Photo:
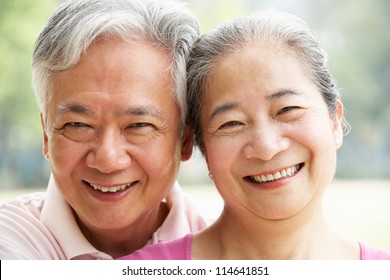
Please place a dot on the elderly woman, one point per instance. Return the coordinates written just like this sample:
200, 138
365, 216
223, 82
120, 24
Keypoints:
268, 119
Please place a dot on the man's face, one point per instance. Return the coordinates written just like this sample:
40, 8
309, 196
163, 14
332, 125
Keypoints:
112, 134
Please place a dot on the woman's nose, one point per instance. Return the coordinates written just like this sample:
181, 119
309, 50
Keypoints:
265, 142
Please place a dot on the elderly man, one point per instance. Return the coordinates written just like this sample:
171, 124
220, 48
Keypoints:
109, 77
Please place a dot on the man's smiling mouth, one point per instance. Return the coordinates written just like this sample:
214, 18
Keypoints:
284, 173
111, 189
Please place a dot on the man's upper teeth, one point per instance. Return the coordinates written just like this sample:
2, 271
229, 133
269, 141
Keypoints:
277, 175
110, 189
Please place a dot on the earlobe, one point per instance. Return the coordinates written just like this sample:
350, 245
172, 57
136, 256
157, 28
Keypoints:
187, 143
45, 138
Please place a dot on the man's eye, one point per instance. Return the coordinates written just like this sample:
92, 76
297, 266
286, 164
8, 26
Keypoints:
76, 124
139, 125
77, 131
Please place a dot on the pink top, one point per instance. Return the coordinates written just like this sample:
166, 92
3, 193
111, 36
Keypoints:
180, 249
42, 226
367, 253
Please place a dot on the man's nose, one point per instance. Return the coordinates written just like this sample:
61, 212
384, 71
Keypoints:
109, 153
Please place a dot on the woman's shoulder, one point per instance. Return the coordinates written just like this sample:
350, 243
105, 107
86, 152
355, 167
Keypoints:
367, 253
178, 249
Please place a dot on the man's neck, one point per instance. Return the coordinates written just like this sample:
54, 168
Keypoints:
120, 242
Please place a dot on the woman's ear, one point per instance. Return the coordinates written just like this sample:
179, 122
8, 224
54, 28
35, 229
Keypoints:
337, 125
187, 143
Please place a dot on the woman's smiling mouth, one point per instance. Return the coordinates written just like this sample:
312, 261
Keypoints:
284, 173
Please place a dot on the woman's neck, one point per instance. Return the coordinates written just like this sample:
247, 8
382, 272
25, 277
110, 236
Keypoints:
304, 236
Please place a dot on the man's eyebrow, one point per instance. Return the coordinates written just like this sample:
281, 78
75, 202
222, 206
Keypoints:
72, 107
222, 108
144, 111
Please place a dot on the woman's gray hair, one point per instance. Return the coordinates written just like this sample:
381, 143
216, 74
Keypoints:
76, 24
274, 28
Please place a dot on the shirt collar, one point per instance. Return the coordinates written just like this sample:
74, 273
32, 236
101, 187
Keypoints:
58, 217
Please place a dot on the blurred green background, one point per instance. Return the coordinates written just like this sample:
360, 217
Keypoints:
355, 34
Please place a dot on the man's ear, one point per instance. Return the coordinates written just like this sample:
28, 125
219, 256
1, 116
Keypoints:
45, 138
187, 143
337, 125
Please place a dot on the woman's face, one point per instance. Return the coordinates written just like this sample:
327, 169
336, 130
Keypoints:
270, 142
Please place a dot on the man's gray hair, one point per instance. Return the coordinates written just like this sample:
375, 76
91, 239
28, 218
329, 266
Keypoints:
76, 24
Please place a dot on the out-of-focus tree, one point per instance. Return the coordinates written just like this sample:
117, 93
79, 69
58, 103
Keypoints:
357, 38
21, 160
354, 32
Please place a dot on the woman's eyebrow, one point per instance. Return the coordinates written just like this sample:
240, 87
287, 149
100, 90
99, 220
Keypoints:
282, 93
222, 108
232, 105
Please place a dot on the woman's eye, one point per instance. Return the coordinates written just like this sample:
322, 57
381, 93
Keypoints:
290, 113
288, 109
230, 124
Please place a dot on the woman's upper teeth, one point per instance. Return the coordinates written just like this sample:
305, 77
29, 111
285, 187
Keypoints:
277, 175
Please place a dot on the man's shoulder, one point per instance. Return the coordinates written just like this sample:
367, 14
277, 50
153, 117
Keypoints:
183, 214
23, 235
28, 204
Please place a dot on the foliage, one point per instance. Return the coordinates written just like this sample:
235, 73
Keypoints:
354, 32
20, 137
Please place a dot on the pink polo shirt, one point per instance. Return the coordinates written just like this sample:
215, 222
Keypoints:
42, 226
